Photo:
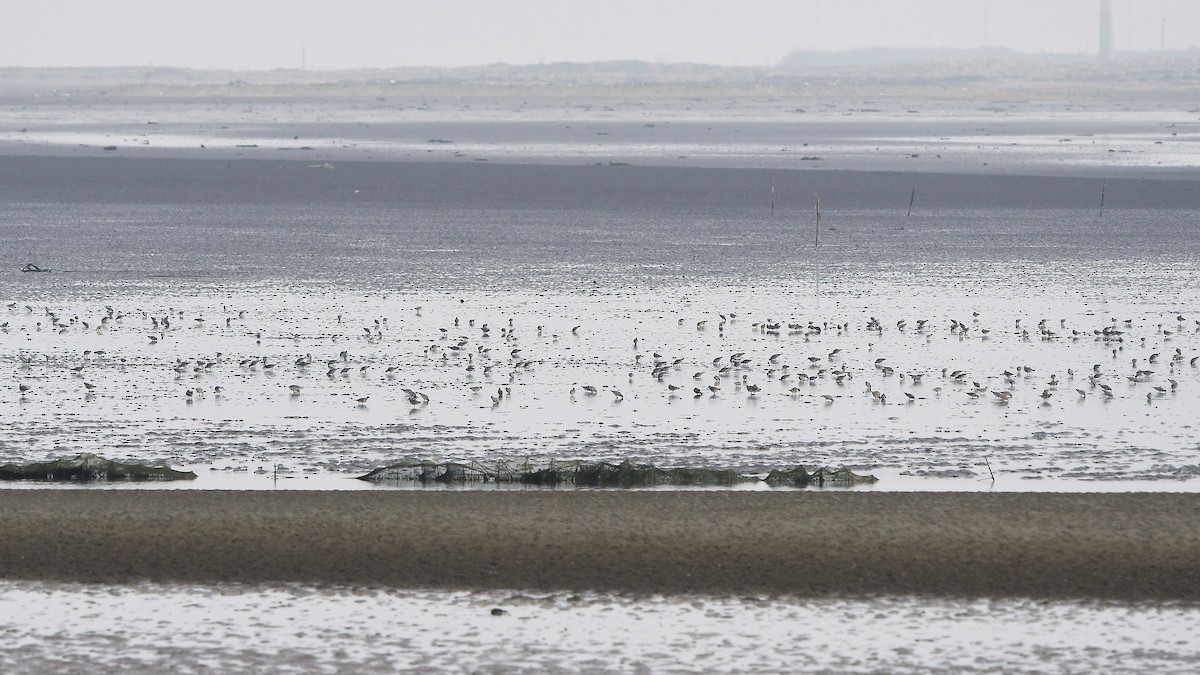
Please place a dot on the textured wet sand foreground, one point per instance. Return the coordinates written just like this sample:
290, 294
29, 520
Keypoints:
1131, 546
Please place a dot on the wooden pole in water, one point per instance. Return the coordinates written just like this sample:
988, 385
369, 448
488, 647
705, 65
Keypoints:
817, 223
911, 197
1103, 188
772, 198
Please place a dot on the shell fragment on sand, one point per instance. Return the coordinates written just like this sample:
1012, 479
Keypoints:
86, 467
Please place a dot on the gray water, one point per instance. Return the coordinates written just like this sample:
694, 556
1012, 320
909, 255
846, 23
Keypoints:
379, 298
570, 231
301, 628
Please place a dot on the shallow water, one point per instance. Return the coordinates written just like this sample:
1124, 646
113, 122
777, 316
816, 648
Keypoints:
361, 280
300, 628
386, 298
789, 131
399, 266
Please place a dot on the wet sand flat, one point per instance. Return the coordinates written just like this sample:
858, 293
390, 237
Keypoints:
1121, 546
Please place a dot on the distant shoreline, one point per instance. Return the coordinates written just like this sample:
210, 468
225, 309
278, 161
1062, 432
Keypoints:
1110, 546
913, 74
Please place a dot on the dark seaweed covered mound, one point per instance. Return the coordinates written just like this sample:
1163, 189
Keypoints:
601, 474
88, 467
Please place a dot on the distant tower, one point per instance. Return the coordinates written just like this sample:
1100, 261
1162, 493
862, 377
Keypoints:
1106, 30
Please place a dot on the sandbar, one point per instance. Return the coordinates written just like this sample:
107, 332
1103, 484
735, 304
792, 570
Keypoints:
1132, 546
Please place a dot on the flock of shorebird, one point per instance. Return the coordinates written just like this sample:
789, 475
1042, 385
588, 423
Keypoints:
480, 356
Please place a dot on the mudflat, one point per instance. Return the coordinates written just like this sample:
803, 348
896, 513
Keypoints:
805, 543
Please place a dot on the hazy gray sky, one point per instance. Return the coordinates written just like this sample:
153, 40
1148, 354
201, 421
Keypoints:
267, 34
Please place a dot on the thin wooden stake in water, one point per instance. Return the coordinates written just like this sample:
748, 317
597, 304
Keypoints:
910, 202
1103, 188
989, 466
772, 198
817, 223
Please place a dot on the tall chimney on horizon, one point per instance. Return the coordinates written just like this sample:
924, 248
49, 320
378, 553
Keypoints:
1106, 30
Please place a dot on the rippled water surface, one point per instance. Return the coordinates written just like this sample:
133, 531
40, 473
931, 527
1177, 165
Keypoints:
246, 312
233, 292
299, 628
286, 339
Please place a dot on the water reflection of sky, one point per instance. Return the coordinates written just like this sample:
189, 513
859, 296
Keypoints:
255, 279
768, 133
301, 628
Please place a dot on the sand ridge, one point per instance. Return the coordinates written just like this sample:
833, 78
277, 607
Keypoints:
1126, 546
